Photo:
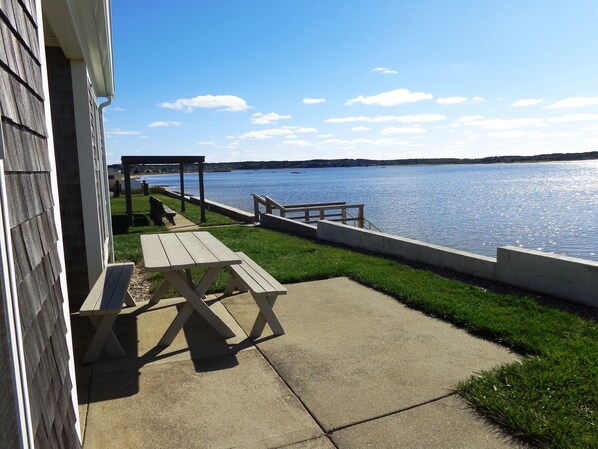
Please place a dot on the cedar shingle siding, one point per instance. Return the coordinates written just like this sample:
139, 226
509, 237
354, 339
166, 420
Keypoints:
9, 430
33, 229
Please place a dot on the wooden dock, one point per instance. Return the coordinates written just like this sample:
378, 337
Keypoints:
311, 213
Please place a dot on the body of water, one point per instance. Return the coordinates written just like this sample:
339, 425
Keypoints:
551, 206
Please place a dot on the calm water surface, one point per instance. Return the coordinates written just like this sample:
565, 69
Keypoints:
549, 206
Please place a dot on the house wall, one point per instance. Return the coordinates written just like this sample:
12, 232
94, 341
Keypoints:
94, 210
33, 232
67, 167
9, 416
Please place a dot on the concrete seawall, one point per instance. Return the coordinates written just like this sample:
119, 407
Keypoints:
223, 209
282, 224
415, 250
564, 277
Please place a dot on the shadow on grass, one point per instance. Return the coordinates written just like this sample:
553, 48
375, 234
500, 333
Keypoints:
121, 225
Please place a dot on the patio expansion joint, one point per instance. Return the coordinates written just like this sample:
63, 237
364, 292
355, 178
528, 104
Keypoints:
394, 412
83, 425
282, 379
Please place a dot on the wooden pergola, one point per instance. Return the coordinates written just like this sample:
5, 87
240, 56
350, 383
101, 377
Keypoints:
127, 161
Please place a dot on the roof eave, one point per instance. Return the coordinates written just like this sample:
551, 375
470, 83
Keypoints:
84, 31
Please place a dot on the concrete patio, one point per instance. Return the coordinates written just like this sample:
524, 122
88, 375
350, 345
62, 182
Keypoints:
355, 369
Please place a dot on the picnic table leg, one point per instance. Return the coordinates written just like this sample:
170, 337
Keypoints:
129, 300
235, 283
103, 337
266, 314
157, 296
194, 302
176, 325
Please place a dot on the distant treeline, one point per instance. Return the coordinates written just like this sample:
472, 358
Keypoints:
324, 163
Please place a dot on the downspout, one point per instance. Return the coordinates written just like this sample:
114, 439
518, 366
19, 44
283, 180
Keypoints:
107, 182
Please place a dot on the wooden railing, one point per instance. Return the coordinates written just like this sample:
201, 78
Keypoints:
311, 213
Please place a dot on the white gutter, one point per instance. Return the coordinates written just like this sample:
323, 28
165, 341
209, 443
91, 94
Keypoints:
107, 182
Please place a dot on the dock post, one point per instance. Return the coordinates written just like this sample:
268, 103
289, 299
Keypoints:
256, 207
202, 195
128, 200
360, 217
182, 188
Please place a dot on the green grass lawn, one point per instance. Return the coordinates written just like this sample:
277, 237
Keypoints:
550, 398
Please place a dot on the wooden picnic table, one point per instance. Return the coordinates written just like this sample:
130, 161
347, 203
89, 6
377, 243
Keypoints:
174, 255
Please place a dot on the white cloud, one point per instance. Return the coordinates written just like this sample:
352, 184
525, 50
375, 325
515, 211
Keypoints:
574, 102
297, 143
469, 118
266, 119
557, 135
505, 123
266, 134
451, 100
531, 134
362, 118
305, 130
574, 118
163, 124
527, 102
230, 103
590, 128
325, 136
360, 128
384, 71
121, 132
403, 130
391, 98
206, 142
445, 101
421, 118
353, 142
509, 134
314, 100
417, 118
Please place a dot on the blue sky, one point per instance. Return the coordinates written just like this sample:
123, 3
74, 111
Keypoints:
291, 80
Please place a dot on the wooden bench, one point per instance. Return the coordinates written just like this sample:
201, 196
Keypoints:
158, 210
249, 276
103, 304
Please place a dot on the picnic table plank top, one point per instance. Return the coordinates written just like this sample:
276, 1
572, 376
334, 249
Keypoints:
185, 250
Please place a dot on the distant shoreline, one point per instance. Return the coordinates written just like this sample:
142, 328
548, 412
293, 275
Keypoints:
340, 163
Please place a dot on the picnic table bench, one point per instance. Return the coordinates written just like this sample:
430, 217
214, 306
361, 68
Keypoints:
158, 210
249, 276
102, 306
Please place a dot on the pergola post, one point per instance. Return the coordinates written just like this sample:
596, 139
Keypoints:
128, 201
182, 187
127, 161
202, 203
